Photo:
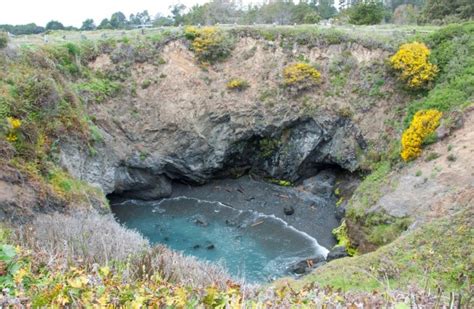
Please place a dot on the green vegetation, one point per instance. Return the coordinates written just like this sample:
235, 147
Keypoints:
435, 255
343, 239
366, 13
3, 39
97, 90
281, 182
452, 50
268, 146
210, 44
369, 191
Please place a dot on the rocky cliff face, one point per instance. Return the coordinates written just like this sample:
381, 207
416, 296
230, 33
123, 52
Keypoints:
177, 120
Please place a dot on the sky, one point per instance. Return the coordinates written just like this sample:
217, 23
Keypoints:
73, 13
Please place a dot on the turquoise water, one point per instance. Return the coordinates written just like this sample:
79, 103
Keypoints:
252, 246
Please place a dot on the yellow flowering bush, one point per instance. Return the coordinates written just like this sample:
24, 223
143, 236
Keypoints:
237, 84
208, 43
412, 61
423, 124
14, 125
300, 76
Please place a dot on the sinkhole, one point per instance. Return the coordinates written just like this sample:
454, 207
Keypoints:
256, 230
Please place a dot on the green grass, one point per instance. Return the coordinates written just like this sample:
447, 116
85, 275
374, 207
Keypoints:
369, 191
438, 254
98, 89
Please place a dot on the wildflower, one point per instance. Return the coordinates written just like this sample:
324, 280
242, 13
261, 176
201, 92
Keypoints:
14, 123
11, 137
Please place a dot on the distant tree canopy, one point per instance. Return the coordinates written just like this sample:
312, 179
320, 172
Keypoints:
88, 24
22, 29
232, 11
118, 20
54, 25
366, 13
140, 18
440, 9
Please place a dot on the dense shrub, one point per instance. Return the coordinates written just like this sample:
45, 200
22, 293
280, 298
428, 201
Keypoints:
210, 44
299, 76
237, 84
366, 13
3, 39
424, 123
412, 61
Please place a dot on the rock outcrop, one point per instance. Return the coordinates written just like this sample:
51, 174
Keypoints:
186, 126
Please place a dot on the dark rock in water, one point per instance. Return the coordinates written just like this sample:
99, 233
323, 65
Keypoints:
200, 220
195, 247
166, 239
289, 210
337, 253
211, 247
230, 222
305, 266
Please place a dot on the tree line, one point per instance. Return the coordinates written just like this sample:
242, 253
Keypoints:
277, 12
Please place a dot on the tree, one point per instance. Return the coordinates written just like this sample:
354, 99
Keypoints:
54, 25
325, 8
278, 11
118, 20
198, 14
405, 14
439, 9
88, 24
366, 13
23, 29
177, 13
105, 24
304, 13
140, 18
161, 20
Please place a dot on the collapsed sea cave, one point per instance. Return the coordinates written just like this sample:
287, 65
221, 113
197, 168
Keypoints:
268, 212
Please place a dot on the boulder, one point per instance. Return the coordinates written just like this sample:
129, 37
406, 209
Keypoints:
288, 210
200, 220
322, 184
337, 253
307, 265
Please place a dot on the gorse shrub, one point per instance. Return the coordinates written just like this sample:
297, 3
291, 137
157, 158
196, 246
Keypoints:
210, 44
412, 61
237, 84
299, 76
424, 123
